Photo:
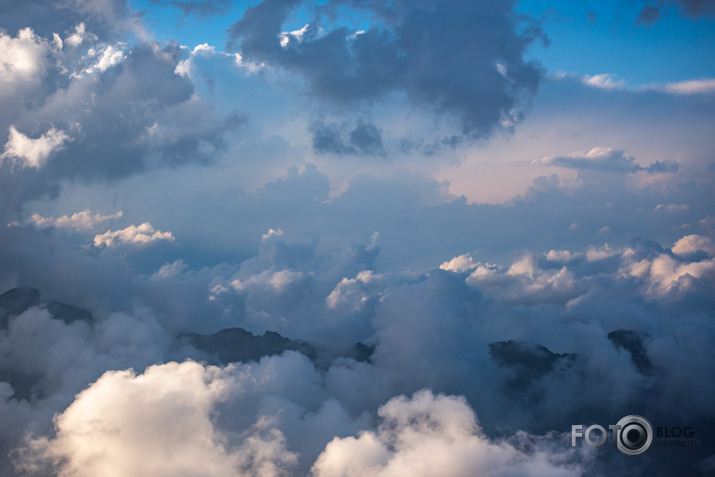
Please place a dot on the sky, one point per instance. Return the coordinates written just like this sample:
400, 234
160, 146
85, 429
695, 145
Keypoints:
474, 224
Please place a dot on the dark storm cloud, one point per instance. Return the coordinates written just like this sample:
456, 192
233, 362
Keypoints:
462, 60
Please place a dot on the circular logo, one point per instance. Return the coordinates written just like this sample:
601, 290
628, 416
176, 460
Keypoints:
635, 435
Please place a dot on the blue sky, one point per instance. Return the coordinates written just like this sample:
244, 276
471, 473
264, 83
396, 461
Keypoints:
474, 224
603, 37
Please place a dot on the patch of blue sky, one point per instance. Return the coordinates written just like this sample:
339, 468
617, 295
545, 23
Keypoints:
590, 38
167, 23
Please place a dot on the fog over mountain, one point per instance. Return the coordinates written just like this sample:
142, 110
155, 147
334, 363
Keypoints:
352, 238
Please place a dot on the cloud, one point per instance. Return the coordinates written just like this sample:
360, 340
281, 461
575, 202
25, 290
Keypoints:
82, 106
610, 81
200, 8
605, 81
649, 14
170, 270
143, 234
663, 274
605, 159
158, 423
671, 207
694, 243
702, 86
536, 324
429, 435
364, 139
23, 60
460, 264
688, 8
82, 221
103, 18
107, 57
434, 54
30, 152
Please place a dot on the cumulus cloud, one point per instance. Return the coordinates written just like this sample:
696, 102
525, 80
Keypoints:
143, 234
29, 152
81, 106
82, 221
459, 264
23, 60
158, 423
694, 243
105, 58
429, 435
664, 273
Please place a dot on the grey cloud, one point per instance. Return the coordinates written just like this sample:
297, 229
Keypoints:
649, 14
116, 136
134, 116
201, 8
472, 70
104, 18
662, 166
606, 160
364, 139
689, 8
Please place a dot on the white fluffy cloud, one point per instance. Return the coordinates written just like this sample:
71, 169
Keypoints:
159, 423
23, 59
30, 152
459, 264
143, 234
83, 220
694, 243
429, 435
664, 273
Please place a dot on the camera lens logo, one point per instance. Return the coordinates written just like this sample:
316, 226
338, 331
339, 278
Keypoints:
634, 435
